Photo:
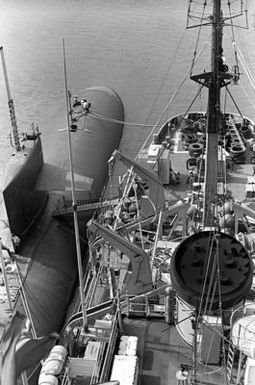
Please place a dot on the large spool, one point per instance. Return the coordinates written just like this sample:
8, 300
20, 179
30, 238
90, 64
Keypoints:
197, 255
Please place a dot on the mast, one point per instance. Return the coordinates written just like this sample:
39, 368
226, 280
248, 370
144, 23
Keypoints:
214, 80
213, 117
11, 105
74, 204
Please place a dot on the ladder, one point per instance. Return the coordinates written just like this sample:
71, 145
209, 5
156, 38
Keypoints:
241, 368
230, 361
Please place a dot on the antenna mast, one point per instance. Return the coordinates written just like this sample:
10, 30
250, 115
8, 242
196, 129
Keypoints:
214, 80
74, 204
213, 117
11, 105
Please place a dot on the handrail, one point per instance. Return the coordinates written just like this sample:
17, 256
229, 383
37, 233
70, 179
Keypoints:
96, 369
110, 350
65, 379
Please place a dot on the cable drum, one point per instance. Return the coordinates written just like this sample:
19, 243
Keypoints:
195, 149
188, 129
190, 138
200, 125
194, 270
236, 150
235, 141
246, 131
188, 122
191, 163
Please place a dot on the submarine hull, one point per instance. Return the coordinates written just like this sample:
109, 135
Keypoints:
98, 134
23, 204
50, 243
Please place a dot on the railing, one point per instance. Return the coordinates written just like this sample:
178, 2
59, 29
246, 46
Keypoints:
101, 370
230, 361
109, 352
65, 379
96, 371
242, 311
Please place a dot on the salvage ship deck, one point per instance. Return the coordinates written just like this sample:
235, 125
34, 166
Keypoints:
152, 315
169, 290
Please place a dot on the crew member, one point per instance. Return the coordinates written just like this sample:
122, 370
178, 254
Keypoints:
11, 253
76, 102
190, 178
85, 105
182, 376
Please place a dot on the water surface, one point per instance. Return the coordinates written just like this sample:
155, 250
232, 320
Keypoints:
138, 48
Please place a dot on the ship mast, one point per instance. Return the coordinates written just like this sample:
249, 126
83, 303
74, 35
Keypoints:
214, 80
74, 204
213, 118
11, 105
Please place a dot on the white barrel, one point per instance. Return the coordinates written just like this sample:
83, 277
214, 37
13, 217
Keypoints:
47, 379
54, 363
59, 351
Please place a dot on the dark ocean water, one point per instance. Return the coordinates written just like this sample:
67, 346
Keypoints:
139, 48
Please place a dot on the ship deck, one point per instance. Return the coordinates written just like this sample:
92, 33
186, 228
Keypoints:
236, 181
161, 352
237, 178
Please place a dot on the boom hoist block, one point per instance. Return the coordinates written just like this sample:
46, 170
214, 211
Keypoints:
155, 187
140, 280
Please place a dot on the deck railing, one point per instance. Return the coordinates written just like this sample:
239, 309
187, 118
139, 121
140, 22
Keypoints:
105, 372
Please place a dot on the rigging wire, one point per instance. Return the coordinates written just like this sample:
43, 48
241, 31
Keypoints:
194, 99
220, 306
223, 170
197, 41
203, 306
167, 73
233, 100
170, 101
96, 115
200, 181
205, 279
246, 94
212, 282
233, 36
245, 67
161, 85
24, 299
186, 112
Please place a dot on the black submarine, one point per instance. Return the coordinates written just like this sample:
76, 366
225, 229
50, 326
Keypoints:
37, 182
